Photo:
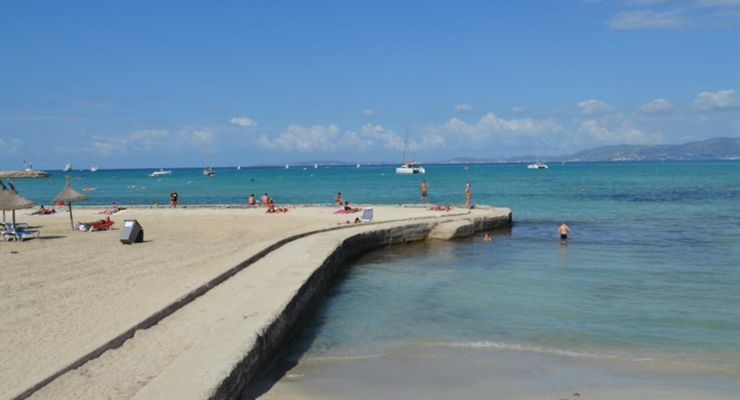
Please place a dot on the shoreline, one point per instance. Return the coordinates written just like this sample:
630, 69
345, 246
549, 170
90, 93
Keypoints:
66, 306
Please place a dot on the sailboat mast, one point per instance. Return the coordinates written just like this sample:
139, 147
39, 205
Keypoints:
405, 144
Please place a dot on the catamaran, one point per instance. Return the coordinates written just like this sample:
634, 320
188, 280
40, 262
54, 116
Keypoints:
537, 165
409, 167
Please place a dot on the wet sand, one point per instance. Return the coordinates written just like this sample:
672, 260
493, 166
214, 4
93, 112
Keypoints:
437, 373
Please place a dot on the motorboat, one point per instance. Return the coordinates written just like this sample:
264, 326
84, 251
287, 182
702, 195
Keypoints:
537, 165
410, 167
161, 172
209, 171
94, 168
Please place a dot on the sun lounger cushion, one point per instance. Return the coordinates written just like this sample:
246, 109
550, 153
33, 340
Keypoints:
367, 215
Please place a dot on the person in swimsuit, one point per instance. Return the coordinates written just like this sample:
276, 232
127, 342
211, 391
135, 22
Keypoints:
251, 201
467, 196
423, 189
173, 198
563, 231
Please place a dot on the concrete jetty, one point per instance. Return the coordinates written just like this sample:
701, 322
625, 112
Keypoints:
198, 310
28, 173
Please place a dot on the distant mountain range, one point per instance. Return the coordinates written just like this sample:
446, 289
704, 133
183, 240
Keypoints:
711, 149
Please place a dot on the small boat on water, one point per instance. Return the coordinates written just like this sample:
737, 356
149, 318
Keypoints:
67, 167
537, 165
410, 167
161, 172
94, 168
209, 171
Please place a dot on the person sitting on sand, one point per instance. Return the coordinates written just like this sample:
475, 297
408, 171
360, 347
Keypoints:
251, 201
44, 211
339, 201
440, 208
264, 200
111, 210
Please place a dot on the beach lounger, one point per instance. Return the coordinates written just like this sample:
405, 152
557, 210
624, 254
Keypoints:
102, 226
20, 235
367, 215
10, 226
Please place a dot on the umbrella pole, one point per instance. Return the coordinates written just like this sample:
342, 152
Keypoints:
14, 220
71, 221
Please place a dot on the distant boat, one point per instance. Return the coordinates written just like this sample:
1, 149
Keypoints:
161, 172
238, 167
287, 166
94, 168
209, 171
67, 167
358, 165
409, 167
537, 165
316, 165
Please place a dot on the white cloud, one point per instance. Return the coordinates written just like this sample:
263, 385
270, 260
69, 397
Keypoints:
646, 19
11, 146
369, 112
243, 121
463, 108
201, 138
149, 138
677, 14
313, 138
656, 106
388, 138
517, 110
594, 107
721, 100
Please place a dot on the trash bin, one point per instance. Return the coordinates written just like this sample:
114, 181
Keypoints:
132, 232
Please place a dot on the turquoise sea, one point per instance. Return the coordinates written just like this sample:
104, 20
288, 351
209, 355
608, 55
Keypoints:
651, 272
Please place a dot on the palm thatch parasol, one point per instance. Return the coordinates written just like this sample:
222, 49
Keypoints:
11, 200
68, 195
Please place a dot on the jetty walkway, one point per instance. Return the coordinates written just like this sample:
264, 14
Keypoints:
214, 339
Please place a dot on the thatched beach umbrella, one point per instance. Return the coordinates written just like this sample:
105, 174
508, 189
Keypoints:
11, 200
68, 195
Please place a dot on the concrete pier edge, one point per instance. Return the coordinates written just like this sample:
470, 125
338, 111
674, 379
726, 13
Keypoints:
270, 342
271, 339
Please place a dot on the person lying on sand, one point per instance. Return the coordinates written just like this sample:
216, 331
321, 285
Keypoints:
440, 208
111, 210
44, 211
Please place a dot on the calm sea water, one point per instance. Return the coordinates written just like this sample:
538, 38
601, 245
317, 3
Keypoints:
652, 271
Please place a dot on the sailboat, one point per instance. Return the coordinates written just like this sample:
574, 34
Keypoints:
409, 167
209, 170
537, 164
67, 167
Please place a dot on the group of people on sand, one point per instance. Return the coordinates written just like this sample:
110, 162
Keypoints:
266, 201
44, 211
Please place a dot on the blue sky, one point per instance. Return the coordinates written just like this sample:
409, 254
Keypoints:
165, 84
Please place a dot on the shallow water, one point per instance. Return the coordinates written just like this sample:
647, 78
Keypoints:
651, 273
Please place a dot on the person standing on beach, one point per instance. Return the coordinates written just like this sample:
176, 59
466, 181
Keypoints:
264, 200
173, 198
563, 231
423, 189
467, 196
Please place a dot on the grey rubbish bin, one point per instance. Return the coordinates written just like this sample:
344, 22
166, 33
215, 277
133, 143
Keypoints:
132, 232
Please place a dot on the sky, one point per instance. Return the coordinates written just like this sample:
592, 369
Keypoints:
165, 84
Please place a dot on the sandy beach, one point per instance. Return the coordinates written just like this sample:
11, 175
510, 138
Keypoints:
69, 294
